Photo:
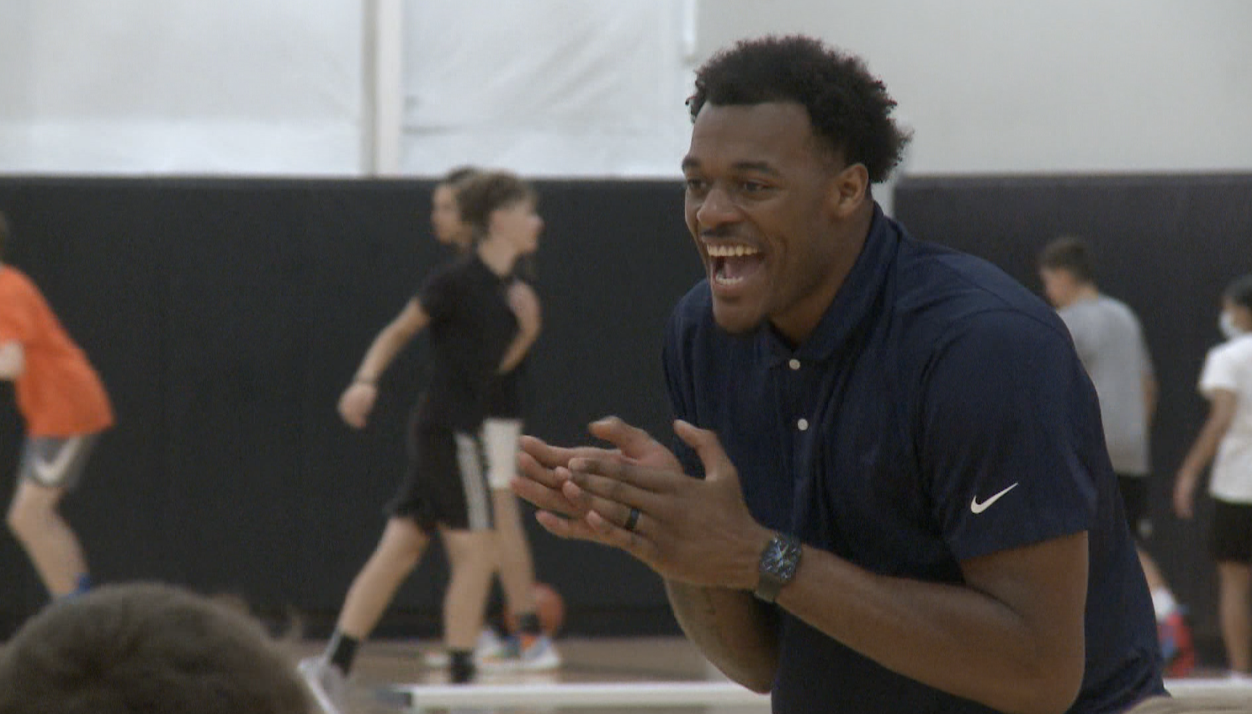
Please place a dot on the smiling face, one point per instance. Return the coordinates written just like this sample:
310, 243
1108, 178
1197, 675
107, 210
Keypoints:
776, 220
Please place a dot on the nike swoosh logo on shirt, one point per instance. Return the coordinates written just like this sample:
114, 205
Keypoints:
977, 507
51, 471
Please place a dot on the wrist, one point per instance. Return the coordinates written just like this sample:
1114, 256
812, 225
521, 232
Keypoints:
748, 571
779, 563
366, 381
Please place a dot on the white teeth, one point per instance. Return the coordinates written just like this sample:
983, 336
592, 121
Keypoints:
730, 251
723, 280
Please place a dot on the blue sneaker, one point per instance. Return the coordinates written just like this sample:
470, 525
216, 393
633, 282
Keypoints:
1177, 649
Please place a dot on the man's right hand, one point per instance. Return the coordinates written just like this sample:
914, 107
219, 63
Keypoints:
357, 402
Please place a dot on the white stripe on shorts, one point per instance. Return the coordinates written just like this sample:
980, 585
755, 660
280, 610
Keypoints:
500, 438
469, 457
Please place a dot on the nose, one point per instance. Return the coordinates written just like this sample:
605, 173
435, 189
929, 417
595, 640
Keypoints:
716, 210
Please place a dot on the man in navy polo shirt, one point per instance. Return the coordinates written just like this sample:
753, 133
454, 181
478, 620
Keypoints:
906, 502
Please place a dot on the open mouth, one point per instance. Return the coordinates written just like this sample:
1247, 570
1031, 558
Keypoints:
733, 265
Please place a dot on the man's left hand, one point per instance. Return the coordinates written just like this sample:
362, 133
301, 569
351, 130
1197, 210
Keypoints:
688, 530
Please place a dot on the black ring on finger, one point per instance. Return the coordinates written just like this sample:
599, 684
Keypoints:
632, 520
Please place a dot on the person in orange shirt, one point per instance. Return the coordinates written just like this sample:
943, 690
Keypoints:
65, 408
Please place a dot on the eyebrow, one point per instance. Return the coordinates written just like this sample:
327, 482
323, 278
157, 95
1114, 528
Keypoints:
760, 166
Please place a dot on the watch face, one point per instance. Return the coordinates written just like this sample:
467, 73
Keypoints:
781, 558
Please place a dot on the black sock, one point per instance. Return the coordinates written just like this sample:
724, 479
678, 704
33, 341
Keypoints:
528, 624
461, 668
342, 651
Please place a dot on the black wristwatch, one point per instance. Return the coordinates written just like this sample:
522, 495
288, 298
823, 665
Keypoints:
778, 566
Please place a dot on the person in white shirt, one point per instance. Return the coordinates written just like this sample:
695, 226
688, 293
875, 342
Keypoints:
1226, 440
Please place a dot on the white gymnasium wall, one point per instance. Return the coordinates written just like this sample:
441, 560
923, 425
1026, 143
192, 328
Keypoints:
595, 87
181, 86
1040, 85
546, 87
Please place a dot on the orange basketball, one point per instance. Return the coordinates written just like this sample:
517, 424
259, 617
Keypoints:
549, 606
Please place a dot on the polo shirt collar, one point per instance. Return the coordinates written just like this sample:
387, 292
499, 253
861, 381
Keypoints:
852, 306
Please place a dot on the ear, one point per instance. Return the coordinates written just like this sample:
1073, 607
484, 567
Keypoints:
849, 189
1243, 315
493, 219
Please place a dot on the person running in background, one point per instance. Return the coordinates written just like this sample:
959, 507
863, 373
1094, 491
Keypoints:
1110, 343
481, 324
1226, 440
526, 648
65, 408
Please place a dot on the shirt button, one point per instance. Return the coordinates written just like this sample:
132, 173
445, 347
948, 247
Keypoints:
794, 364
803, 425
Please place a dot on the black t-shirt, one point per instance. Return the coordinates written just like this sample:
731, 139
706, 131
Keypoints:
471, 326
504, 394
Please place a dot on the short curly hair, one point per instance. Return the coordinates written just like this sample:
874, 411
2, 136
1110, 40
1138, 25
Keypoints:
146, 647
848, 107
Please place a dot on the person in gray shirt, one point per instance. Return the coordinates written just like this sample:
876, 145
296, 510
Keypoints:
1110, 343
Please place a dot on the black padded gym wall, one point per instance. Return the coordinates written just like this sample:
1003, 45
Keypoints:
226, 316
1167, 246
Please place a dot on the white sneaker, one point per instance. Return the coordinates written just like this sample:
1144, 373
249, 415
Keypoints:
539, 656
326, 683
489, 646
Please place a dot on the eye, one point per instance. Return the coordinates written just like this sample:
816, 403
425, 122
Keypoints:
752, 186
696, 185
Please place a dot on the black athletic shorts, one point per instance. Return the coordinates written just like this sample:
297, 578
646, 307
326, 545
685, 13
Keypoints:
446, 481
1135, 500
1231, 537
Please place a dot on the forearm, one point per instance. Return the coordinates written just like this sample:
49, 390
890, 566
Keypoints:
380, 354
731, 628
1205, 446
518, 348
950, 637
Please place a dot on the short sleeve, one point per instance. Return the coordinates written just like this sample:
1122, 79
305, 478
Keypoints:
1220, 372
1079, 333
1010, 436
675, 360
438, 295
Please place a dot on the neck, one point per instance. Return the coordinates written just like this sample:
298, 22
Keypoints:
497, 255
801, 321
1086, 291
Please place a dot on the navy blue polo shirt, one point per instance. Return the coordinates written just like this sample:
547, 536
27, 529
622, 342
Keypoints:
933, 384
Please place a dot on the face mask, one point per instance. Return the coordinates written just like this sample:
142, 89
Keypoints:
1228, 326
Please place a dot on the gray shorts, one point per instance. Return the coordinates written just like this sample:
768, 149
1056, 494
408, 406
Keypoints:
55, 462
